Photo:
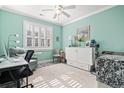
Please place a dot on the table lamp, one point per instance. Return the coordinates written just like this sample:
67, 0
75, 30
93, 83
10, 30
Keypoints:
10, 40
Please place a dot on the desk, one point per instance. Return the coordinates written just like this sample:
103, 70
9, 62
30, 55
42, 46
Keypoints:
8, 65
5, 65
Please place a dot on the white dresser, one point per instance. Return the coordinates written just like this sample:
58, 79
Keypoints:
79, 57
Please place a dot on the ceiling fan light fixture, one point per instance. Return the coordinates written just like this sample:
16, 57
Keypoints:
58, 9
41, 14
58, 12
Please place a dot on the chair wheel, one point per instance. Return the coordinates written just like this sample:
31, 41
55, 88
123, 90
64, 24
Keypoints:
32, 86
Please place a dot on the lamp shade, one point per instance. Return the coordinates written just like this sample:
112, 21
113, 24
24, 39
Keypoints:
14, 51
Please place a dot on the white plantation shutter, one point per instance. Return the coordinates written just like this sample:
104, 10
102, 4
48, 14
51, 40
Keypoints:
42, 36
48, 37
37, 36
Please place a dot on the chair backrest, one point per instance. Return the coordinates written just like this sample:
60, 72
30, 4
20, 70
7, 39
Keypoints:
56, 51
29, 55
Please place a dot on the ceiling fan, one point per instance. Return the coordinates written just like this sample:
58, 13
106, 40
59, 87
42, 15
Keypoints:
59, 9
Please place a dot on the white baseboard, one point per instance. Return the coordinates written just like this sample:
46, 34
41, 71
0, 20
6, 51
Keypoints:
45, 61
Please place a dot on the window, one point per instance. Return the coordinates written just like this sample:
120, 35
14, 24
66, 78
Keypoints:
37, 36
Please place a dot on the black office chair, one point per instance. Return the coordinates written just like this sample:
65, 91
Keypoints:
24, 72
17, 74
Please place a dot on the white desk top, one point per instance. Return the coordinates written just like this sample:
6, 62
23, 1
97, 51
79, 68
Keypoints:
9, 64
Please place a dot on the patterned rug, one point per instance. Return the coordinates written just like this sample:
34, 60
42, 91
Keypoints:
62, 76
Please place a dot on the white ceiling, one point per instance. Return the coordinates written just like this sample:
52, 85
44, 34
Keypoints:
35, 10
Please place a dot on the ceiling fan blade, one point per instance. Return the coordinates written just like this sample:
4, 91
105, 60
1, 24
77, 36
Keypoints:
66, 14
55, 15
41, 15
69, 7
47, 9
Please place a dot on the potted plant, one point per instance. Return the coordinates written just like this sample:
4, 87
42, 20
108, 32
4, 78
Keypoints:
81, 40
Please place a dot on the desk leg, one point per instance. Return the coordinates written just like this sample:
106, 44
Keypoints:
17, 81
53, 59
27, 81
59, 59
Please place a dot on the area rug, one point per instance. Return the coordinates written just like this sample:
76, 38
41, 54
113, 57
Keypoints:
62, 76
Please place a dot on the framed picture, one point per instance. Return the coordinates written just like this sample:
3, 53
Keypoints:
83, 33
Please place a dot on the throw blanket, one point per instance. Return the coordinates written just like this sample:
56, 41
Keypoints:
110, 70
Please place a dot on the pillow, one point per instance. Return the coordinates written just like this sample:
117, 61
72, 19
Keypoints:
107, 52
113, 53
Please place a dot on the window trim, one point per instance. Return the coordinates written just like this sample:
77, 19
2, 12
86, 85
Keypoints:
25, 23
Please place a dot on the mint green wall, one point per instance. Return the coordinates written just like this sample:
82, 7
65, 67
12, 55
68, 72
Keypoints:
107, 28
13, 23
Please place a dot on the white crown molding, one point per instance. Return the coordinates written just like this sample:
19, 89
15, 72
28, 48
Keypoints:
24, 14
93, 13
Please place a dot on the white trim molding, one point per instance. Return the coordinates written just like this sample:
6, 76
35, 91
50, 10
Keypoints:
93, 13
45, 61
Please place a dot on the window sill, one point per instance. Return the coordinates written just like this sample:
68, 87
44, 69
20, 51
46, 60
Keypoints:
39, 49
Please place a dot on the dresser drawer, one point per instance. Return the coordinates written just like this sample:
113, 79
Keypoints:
79, 65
